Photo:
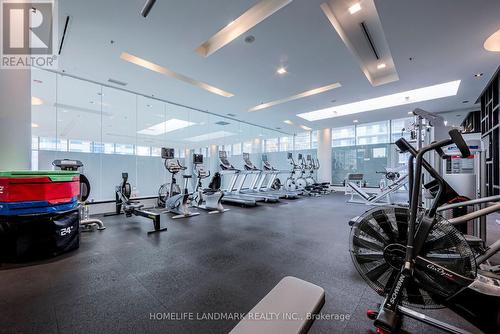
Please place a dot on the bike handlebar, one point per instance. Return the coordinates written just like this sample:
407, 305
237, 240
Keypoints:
458, 140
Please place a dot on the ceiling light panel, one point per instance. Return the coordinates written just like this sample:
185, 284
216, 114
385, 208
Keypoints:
249, 19
165, 71
387, 101
166, 126
308, 93
364, 37
36, 101
211, 136
493, 42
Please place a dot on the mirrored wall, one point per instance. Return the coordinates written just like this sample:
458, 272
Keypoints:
113, 131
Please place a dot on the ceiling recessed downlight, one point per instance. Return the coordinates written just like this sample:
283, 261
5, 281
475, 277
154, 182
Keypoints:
492, 43
166, 126
281, 70
289, 122
36, 101
303, 127
34, 125
296, 97
165, 71
355, 121
249, 19
381, 66
386, 101
478, 75
355, 8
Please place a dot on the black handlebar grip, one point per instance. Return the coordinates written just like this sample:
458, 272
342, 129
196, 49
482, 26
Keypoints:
457, 138
441, 153
402, 144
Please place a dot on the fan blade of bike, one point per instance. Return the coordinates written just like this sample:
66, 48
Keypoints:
384, 222
378, 271
402, 223
439, 243
366, 257
368, 229
361, 241
414, 294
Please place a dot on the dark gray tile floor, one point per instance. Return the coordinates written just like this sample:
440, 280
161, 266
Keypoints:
208, 263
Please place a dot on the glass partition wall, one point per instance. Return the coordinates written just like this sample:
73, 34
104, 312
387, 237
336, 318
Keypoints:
113, 131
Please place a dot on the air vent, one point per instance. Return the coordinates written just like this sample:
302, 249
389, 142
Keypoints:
117, 82
222, 123
63, 35
364, 28
231, 115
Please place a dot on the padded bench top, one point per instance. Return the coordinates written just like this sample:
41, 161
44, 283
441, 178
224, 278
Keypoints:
284, 309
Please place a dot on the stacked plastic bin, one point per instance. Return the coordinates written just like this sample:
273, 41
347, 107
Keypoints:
39, 214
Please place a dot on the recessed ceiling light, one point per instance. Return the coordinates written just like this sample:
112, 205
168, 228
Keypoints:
36, 101
165, 71
148, 105
386, 101
289, 122
305, 127
355, 121
281, 70
355, 8
211, 136
92, 102
410, 112
478, 75
445, 123
166, 126
381, 66
465, 101
100, 94
37, 81
297, 96
249, 19
34, 125
492, 43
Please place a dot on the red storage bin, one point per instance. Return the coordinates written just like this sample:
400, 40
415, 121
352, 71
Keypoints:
51, 186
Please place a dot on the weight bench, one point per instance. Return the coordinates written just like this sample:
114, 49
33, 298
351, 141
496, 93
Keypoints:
288, 308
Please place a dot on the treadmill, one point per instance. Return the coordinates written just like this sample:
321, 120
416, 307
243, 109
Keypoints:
231, 196
251, 169
273, 174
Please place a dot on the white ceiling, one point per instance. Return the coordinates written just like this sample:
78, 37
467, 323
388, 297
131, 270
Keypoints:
444, 38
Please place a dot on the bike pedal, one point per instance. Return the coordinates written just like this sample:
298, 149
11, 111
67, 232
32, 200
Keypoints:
372, 314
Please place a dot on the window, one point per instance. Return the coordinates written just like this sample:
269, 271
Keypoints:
344, 136
228, 148
271, 145
144, 151
80, 146
314, 139
124, 149
237, 149
372, 133
400, 128
303, 141
155, 151
247, 147
48, 144
286, 144
379, 152
34, 143
106, 148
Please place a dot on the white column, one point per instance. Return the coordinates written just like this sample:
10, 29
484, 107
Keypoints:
214, 158
257, 152
324, 153
15, 119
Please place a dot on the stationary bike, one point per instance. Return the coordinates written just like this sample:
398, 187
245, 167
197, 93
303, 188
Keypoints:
208, 198
172, 200
413, 256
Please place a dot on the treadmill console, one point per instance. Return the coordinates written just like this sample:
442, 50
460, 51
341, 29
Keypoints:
197, 159
308, 157
264, 157
289, 155
167, 153
299, 156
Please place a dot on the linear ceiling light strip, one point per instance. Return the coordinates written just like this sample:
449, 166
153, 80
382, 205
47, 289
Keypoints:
165, 71
249, 19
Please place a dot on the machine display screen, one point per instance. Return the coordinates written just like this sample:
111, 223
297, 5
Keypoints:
167, 153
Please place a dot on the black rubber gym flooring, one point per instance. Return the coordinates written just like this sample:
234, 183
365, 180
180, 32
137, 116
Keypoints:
121, 277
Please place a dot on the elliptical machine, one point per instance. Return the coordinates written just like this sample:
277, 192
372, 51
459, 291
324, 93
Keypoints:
294, 182
169, 196
208, 198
